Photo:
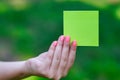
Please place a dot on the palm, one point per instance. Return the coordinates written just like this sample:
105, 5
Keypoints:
39, 65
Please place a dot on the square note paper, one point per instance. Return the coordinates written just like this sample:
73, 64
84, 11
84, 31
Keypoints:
82, 26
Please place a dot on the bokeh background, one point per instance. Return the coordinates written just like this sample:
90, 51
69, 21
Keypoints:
27, 28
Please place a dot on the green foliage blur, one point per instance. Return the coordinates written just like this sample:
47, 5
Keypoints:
27, 28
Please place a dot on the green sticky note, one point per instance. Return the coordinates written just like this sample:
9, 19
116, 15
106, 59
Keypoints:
82, 26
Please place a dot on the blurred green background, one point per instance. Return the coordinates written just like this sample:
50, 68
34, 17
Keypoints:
27, 28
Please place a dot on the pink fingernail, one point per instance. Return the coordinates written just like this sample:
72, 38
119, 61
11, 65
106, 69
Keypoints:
67, 39
62, 38
74, 43
55, 43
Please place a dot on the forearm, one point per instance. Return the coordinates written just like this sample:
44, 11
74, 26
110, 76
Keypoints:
12, 70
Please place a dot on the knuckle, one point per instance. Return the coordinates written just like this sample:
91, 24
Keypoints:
60, 43
62, 67
66, 44
57, 58
59, 49
65, 59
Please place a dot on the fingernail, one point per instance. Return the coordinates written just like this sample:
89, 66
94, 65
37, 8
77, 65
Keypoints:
55, 43
62, 38
74, 43
67, 39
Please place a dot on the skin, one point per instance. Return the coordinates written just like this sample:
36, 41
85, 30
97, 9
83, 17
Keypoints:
53, 64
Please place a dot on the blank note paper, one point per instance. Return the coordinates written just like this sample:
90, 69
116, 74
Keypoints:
82, 26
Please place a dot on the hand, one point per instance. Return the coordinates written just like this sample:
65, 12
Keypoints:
56, 62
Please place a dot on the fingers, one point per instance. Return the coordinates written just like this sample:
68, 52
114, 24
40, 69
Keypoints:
71, 58
64, 58
51, 52
57, 56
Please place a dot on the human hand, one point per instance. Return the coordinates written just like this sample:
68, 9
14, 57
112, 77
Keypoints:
56, 62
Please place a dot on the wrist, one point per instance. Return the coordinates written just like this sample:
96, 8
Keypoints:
24, 70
